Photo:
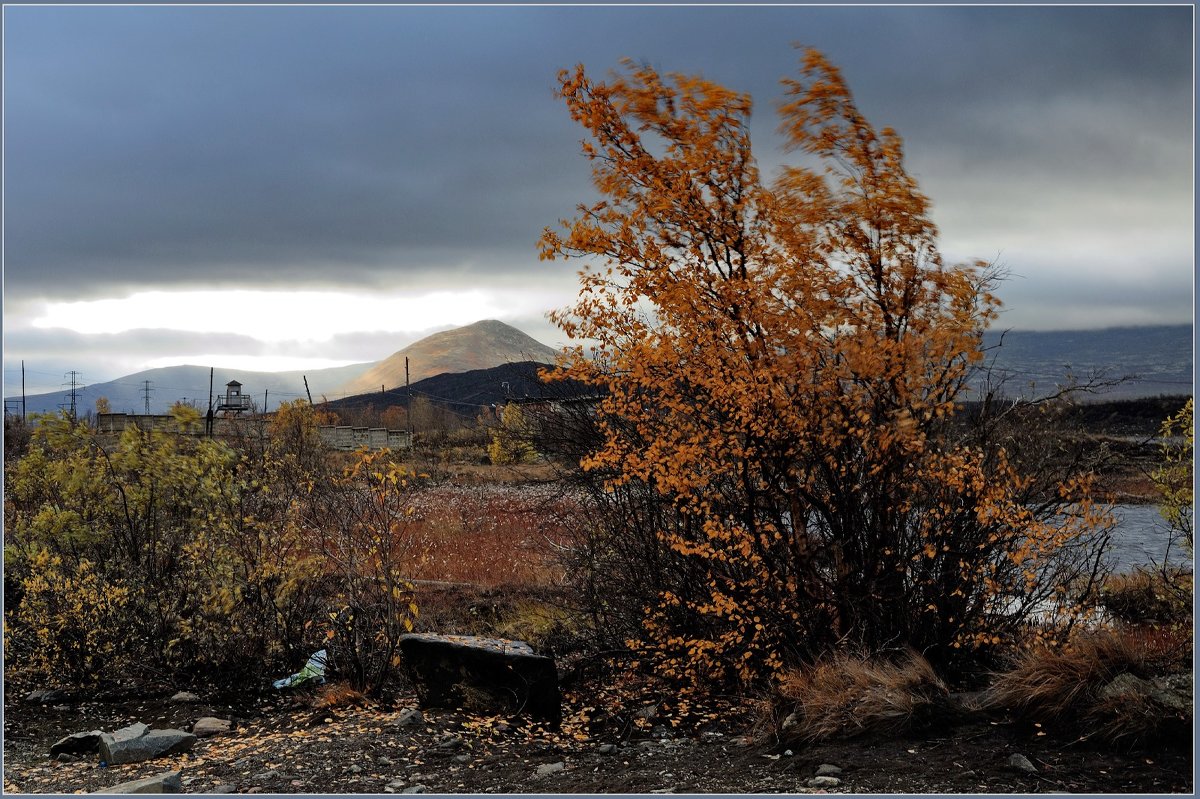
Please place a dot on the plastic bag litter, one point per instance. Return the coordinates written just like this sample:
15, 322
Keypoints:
314, 669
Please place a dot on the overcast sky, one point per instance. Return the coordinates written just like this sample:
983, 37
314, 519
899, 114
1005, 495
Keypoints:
297, 187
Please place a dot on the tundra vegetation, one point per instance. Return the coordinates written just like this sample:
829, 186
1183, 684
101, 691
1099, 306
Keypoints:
779, 492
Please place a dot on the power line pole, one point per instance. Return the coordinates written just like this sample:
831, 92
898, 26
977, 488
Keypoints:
74, 391
208, 417
408, 402
22, 390
146, 395
266, 393
306, 391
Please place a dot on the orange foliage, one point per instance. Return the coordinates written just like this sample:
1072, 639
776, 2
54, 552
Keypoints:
779, 364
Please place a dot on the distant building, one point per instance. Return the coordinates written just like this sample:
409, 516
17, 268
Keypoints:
234, 401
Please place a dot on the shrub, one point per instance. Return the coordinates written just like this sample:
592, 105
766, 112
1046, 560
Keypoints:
1071, 688
777, 368
843, 696
1149, 596
70, 623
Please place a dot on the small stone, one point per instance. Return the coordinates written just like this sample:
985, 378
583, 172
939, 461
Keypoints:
450, 743
209, 726
1021, 763
356, 769
63, 757
224, 787
414, 789
607, 749
399, 782
462, 758
790, 721
167, 782
828, 770
384, 761
185, 697
546, 769
824, 782
267, 775
409, 718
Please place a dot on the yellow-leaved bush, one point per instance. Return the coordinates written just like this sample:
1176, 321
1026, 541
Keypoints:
780, 364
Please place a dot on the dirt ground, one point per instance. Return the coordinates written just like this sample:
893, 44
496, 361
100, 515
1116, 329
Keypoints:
282, 745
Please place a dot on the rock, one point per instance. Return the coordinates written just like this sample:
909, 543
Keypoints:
462, 758
384, 761
185, 697
607, 749
167, 782
399, 782
137, 742
224, 787
823, 782
47, 696
409, 718
450, 743
486, 674
1172, 693
546, 769
1021, 764
828, 770
270, 774
63, 757
77, 743
356, 769
209, 726
414, 789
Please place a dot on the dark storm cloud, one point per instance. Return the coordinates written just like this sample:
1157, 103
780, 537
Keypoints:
285, 146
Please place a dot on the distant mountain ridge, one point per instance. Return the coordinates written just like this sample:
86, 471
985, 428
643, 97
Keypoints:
1149, 360
481, 345
1160, 357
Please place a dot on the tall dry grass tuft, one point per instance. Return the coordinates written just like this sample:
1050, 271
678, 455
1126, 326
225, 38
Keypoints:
1102, 686
845, 696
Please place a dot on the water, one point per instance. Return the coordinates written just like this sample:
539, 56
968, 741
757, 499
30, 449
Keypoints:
1141, 539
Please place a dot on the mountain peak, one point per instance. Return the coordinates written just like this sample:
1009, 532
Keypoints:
479, 345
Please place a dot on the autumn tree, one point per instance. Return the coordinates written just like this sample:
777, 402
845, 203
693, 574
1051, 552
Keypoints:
778, 363
511, 438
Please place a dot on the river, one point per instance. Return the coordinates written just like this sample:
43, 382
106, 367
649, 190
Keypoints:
1141, 538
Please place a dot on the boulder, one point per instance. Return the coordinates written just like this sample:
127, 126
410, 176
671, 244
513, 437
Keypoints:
482, 674
77, 743
208, 726
137, 742
1172, 693
186, 697
167, 782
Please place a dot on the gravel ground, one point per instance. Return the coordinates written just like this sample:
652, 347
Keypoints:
279, 745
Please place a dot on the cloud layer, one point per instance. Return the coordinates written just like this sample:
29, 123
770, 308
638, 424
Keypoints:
406, 150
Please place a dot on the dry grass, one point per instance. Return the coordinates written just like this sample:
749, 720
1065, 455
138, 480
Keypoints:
1149, 596
331, 695
489, 535
1069, 688
844, 696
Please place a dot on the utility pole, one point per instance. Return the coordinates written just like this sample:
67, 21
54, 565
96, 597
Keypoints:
74, 391
22, 389
306, 391
266, 393
408, 402
146, 395
208, 418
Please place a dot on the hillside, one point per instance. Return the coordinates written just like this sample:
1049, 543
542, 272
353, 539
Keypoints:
467, 392
1148, 360
478, 346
